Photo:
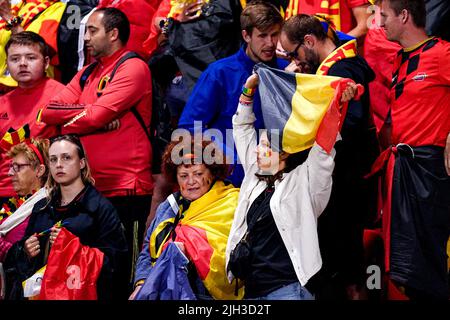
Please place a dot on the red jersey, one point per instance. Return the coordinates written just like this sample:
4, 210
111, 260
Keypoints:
120, 159
18, 108
420, 94
339, 11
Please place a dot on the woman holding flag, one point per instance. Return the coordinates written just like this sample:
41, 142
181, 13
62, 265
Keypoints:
90, 222
273, 245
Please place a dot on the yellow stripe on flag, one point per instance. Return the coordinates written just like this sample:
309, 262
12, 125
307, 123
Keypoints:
310, 101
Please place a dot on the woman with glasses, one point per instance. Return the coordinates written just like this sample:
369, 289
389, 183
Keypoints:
73, 202
28, 174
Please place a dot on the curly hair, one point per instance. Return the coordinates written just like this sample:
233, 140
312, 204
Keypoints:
176, 155
24, 148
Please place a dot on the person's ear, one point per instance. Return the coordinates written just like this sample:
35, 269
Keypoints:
246, 36
114, 34
405, 15
40, 171
82, 163
46, 62
309, 41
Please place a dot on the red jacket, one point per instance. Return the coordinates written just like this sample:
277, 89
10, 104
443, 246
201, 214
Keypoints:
120, 159
18, 108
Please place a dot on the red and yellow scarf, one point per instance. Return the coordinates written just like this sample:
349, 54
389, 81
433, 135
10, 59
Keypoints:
347, 50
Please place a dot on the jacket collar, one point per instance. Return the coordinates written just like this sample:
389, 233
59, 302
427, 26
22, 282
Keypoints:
249, 63
87, 200
105, 61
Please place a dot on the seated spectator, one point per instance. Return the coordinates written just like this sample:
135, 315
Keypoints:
75, 203
28, 58
198, 218
28, 172
273, 244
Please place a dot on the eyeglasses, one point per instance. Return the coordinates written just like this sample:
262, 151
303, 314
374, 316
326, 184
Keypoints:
18, 166
294, 54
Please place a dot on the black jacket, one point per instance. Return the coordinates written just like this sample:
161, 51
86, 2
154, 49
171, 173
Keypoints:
92, 218
353, 199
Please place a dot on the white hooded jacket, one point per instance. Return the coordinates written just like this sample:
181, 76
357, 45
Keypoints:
298, 200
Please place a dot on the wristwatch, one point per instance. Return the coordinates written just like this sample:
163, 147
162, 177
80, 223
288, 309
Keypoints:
13, 22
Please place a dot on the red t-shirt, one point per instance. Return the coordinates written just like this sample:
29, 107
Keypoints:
120, 159
341, 8
420, 95
20, 107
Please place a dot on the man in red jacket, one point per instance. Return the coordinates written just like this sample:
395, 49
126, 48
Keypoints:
27, 60
115, 93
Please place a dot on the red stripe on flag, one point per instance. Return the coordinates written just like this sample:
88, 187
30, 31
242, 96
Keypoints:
197, 247
334, 117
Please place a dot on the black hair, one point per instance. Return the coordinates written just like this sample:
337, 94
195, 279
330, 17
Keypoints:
114, 18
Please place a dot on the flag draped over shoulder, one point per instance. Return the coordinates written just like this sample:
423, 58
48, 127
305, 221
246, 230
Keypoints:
72, 270
204, 230
304, 107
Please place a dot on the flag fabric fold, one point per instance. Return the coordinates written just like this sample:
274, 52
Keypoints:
204, 230
72, 270
304, 107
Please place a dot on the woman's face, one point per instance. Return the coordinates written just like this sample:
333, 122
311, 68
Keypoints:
268, 160
24, 177
65, 164
194, 180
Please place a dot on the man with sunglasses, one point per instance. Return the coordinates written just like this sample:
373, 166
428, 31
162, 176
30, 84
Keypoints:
342, 223
27, 59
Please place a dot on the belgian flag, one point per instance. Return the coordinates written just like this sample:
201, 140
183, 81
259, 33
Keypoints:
305, 108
